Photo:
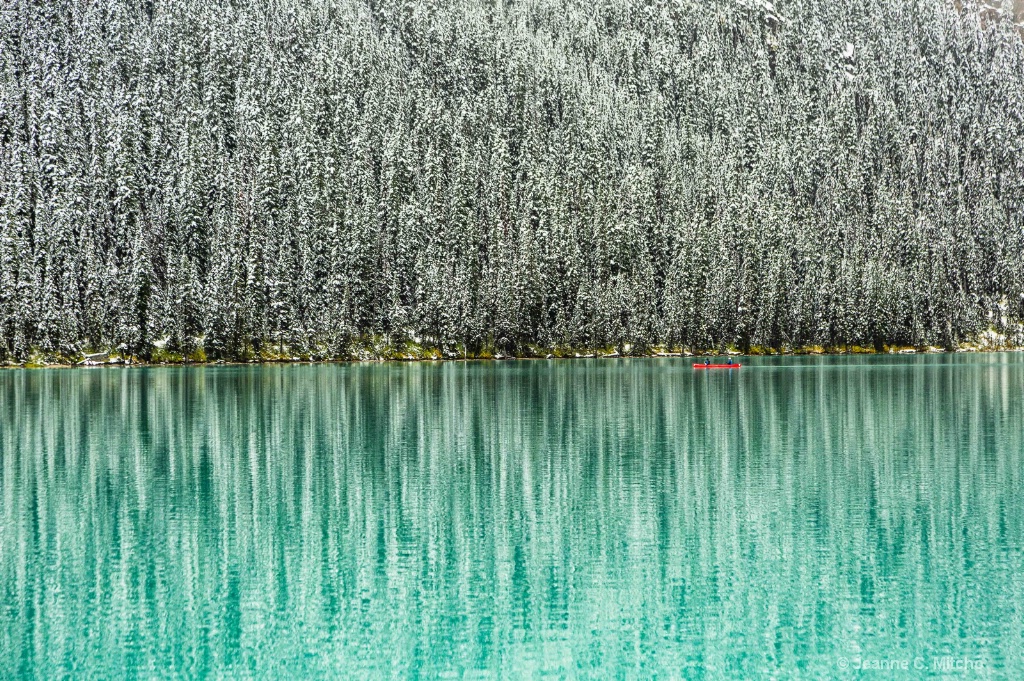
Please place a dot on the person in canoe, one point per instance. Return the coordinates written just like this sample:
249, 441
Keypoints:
707, 364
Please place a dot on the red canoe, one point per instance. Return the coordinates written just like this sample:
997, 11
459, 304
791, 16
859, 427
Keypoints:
717, 366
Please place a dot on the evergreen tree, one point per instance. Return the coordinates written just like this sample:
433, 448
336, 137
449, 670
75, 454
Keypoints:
293, 176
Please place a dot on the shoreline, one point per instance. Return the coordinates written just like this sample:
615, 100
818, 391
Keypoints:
113, 359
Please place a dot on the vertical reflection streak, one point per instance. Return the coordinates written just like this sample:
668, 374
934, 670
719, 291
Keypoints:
573, 518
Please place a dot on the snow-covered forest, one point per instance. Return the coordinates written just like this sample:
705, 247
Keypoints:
229, 175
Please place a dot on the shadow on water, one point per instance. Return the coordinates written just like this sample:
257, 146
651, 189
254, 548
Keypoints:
573, 518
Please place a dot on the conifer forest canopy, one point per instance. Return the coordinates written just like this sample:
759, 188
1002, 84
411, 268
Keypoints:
237, 174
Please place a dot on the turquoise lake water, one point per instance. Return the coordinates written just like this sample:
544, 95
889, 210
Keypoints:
812, 518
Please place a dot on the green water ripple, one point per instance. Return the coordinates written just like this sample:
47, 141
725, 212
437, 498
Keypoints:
542, 519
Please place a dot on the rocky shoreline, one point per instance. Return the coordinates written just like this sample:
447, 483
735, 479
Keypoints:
989, 341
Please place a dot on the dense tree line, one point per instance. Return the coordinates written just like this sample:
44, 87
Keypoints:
250, 173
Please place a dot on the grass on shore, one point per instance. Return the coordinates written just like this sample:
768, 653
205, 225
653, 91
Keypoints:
380, 348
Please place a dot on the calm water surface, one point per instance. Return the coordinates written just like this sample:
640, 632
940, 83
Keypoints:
798, 518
